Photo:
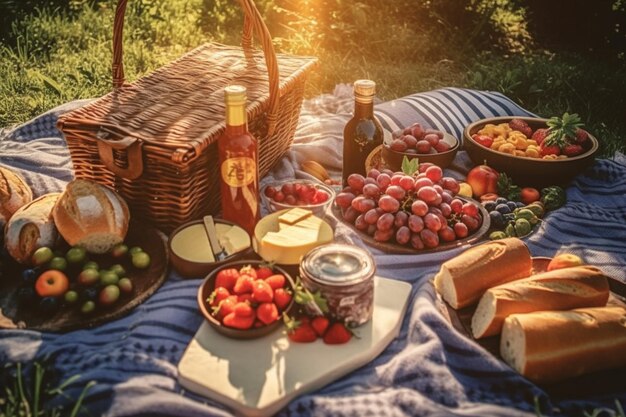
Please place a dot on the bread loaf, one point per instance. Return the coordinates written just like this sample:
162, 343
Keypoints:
561, 289
463, 279
31, 227
14, 193
552, 345
92, 216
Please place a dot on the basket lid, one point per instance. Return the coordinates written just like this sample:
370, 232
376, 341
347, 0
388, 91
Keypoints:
179, 108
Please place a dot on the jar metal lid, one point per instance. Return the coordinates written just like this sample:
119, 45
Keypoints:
338, 265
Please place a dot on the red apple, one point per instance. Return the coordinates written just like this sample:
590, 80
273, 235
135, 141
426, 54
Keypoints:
52, 283
483, 180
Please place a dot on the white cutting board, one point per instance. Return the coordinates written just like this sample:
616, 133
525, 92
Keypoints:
258, 377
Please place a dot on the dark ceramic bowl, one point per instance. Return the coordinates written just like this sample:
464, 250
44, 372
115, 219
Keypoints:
393, 159
207, 287
197, 269
525, 171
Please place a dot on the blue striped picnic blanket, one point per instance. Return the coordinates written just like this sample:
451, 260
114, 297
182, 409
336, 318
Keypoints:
430, 369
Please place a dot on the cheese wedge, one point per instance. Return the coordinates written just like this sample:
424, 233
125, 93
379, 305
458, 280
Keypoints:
294, 215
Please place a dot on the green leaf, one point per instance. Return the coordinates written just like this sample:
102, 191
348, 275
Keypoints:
410, 167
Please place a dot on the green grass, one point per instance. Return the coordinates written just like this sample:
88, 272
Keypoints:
51, 56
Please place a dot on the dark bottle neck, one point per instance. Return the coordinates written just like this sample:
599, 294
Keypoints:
363, 110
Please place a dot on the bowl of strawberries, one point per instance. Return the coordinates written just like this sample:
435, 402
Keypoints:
427, 145
534, 152
246, 299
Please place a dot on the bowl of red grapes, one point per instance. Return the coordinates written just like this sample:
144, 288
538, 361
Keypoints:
415, 141
306, 194
417, 212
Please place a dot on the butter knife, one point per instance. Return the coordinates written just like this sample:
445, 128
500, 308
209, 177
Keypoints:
216, 247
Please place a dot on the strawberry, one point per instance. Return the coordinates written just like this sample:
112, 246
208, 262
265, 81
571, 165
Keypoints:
243, 284
276, 281
226, 278
337, 334
303, 334
572, 150
267, 313
243, 309
263, 272
262, 292
245, 298
257, 324
248, 270
521, 126
540, 135
299, 331
546, 149
225, 307
282, 298
217, 295
238, 322
581, 136
320, 324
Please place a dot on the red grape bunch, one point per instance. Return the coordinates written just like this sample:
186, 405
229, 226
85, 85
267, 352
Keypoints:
420, 210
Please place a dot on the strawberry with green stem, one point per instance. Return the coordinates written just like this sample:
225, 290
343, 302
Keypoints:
561, 132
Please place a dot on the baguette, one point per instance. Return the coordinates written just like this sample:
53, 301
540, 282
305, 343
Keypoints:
30, 228
549, 346
561, 289
91, 215
463, 279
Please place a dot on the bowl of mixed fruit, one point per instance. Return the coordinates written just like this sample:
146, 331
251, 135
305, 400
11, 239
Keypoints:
532, 151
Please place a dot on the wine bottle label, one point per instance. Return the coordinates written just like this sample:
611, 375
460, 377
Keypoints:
374, 159
239, 171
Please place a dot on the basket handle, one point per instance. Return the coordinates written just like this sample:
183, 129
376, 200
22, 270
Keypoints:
252, 22
132, 146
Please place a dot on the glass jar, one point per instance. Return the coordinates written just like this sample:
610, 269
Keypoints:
344, 275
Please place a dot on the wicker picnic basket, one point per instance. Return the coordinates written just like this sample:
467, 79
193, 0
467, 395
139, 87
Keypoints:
154, 141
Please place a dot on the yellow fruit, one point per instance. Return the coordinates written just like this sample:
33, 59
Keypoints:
315, 169
465, 190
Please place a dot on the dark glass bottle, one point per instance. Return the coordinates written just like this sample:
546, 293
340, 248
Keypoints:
363, 134
238, 161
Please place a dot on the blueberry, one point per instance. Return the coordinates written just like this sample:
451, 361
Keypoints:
512, 205
503, 208
497, 220
48, 304
30, 275
490, 205
90, 293
501, 200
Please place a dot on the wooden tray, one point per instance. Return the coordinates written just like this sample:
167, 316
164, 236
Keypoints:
602, 382
145, 283
407, 249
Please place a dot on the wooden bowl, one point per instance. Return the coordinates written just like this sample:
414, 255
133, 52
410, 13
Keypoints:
393, 159
207, 287
525, 171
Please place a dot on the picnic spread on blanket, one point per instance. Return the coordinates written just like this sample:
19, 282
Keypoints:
205, 242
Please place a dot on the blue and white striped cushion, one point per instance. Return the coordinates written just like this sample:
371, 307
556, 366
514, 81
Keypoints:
447, 109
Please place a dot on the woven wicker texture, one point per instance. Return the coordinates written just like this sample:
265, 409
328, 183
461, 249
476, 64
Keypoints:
154, 140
